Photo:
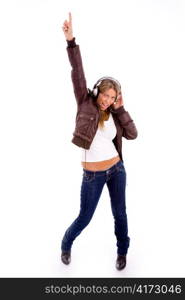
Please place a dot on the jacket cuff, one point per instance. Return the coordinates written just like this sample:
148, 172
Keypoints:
118, 111
71, 43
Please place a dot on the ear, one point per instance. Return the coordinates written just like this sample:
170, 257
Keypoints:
112, 105
114, 101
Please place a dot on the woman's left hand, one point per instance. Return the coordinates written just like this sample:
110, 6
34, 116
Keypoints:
119, 102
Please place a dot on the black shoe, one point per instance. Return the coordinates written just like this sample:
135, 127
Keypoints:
66, 257
121, 262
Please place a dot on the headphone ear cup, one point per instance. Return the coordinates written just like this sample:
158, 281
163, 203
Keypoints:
95, 91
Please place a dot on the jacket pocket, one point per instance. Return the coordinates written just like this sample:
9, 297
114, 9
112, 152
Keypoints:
85, 125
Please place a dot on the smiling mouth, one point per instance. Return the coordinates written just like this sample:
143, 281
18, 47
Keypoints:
103, 105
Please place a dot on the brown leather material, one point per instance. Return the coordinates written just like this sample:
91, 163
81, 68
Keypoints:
120, 262
88, 112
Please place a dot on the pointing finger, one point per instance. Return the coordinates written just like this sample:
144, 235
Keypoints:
70, 17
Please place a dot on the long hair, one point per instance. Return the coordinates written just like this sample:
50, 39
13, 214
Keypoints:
106, 84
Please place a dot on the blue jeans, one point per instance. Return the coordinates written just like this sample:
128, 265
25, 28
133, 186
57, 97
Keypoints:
91, 189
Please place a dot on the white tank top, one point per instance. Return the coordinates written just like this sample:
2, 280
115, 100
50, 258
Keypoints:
102, 147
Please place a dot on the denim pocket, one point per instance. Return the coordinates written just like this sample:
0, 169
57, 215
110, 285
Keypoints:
121, 168
88, 177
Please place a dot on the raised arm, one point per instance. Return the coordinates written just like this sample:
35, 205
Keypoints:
77, 72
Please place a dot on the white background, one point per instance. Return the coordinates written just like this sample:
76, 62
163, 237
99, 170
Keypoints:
141, 43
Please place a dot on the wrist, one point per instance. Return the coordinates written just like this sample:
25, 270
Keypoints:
71, 42
70, 38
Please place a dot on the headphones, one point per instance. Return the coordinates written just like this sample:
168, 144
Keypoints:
96, 89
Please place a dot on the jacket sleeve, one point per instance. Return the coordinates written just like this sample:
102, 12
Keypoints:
77, 72
129, 129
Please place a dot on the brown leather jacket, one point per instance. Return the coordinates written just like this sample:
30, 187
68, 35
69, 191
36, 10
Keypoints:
87, 116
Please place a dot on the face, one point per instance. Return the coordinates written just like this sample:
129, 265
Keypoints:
106, 99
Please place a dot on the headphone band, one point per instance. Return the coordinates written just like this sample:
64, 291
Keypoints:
106, 77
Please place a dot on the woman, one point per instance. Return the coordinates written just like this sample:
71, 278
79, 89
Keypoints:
101, 122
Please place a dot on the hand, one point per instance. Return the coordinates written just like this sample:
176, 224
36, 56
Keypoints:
119, 101
67, 28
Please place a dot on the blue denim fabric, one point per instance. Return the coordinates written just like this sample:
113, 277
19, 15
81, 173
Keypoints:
91, 189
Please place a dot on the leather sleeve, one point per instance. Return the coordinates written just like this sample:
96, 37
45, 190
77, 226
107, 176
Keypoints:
129, 129
77, 72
